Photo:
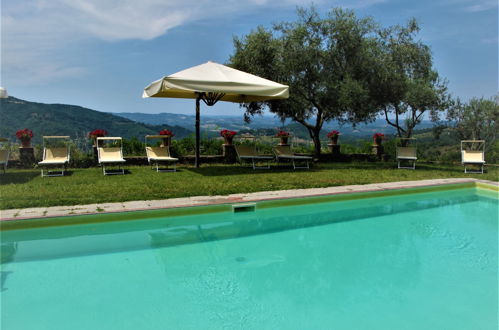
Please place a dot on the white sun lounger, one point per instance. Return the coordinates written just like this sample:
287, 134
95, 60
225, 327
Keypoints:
472, 153
4, 154
156, 155
56, 156
407, 154
285, 153
247, 153
110, 155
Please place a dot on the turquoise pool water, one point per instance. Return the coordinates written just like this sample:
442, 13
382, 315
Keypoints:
419, 261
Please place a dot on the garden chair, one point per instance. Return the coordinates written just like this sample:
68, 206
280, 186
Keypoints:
156, 155
110, 154
4, 153
248, 153
406, 152
473, 153
285, 153
56, 153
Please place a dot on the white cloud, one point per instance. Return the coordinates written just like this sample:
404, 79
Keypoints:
472, 5
36, 33
481, 5
493, 40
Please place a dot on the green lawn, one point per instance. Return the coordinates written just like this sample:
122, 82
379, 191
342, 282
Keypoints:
25, 188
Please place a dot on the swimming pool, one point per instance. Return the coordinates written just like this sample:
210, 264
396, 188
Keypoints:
418, 259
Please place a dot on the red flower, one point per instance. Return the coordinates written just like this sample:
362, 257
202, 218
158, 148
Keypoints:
166, 132
333, 133
24, 134
226, 132
97, 133
282, 133
378, 136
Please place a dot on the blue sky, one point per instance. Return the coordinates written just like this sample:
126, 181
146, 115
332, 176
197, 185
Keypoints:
100, 54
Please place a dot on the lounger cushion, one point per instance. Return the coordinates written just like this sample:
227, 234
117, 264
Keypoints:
472, 157
295, 157
55, 156
159, 154
408, 153
4, 156
286, 153
110, 155
256, 157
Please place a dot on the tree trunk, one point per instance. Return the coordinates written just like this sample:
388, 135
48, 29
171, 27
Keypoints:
315, 135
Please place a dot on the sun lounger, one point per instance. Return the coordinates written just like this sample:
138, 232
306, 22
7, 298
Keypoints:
4, 154
247, 153
472, 153
108, 155
285, 153
156, 155
406, 154
55, 155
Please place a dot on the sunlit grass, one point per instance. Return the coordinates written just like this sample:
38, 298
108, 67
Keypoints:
25, 188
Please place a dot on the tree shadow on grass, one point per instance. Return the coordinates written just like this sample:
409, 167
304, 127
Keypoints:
393, 166
216, 170
18, 177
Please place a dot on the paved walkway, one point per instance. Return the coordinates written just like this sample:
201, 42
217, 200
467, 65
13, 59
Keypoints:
55, 211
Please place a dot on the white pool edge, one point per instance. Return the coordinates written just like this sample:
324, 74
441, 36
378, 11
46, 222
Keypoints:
98, 208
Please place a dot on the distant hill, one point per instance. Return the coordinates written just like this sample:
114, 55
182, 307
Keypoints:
263, 125
72, 120
207, 121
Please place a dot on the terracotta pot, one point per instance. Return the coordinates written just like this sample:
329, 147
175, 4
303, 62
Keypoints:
334, 139
167, 141
228, 139
284, 140
26, 143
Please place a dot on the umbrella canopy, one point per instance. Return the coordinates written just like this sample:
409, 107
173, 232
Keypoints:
237, 86
212, 82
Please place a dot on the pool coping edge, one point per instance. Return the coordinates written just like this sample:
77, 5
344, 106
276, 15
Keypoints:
131, 206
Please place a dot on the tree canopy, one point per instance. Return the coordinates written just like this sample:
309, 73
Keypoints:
476, 119
408, 86
342, 67
327, 63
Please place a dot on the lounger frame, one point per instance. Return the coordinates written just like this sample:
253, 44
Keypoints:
480, 164
292, 157
405, 146
154, 161
116, 162
61, 165
5, 151
251, 156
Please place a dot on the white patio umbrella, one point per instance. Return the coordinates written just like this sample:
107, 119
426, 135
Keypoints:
3, 93
212, 82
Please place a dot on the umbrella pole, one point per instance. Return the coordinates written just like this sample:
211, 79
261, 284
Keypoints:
197, 130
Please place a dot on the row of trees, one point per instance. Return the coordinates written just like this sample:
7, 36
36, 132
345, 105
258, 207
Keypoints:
345, 68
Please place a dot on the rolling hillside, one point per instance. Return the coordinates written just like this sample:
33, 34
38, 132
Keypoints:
75, 121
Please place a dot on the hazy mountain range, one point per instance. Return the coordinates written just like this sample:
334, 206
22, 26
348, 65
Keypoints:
216, 123
76, 121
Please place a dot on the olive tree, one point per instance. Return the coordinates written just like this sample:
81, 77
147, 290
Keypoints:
328, 63
476, 119
408, 86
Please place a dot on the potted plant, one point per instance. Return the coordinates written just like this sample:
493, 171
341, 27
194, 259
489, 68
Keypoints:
284, 136
378, 138
228, 136
25, 135
167, 137
95, 134
333, 136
